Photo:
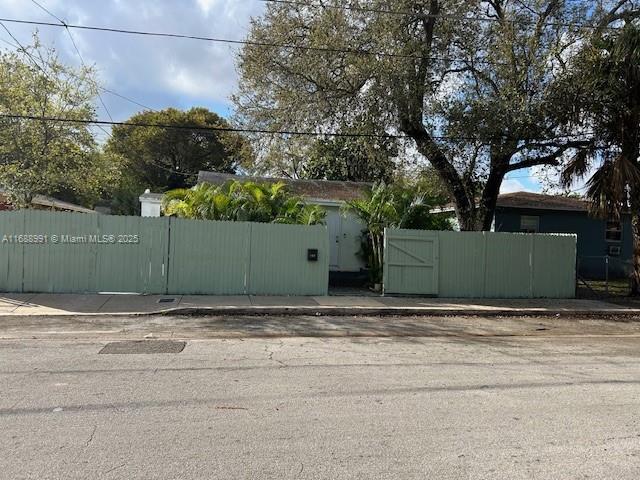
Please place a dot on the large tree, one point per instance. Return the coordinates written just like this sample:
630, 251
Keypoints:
606, 93
472, 84
162, 158
351, 159
40, 156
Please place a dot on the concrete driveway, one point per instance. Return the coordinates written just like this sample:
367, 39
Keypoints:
447, 407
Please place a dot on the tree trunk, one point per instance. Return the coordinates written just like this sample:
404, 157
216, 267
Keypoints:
464, 203
635, 274
471, 216
489, 200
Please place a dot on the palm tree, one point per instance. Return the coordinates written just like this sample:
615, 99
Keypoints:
608, 77
242, 201
397, 206
202, 202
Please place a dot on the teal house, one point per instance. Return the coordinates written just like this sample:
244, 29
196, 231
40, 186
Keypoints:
602, 244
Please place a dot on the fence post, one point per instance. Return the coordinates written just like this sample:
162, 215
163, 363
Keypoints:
167, 258
577, 275
606, 275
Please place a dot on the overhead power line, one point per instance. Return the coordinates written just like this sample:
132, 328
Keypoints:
427, 15
35, 62
354, 51
198, 128
75, 46
212, 128
73, 42
47, 11
21, 47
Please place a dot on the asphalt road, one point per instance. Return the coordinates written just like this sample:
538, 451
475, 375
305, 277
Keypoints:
534, 403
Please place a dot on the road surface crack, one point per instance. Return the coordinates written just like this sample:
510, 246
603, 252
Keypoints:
271, 353
114, 468
90, 439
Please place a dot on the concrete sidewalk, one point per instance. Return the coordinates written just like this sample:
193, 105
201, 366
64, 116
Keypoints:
107, 304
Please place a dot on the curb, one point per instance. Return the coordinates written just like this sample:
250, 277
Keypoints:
346, 311
387, 312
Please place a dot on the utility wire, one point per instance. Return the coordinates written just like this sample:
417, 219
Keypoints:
13, 45
354, 51
48, 11
104, 105
197, 128
37, 64
211, 128
428, 15
112, 92
33, 60
75, 46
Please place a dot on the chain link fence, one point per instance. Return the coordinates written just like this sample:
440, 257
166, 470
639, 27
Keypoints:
603, 277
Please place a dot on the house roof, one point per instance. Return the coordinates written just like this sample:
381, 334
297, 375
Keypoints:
540, 201
152, 197
313, 189
50, 202
533, 201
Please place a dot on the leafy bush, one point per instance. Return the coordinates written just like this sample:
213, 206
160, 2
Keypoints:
242, 202
393, 206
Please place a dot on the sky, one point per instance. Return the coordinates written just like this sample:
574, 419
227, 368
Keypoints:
157, 72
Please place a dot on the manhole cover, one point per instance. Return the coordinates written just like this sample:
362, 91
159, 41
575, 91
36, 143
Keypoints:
143, 347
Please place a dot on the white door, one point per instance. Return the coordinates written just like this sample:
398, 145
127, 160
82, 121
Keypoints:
334, 225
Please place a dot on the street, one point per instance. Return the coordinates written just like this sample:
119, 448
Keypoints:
515, 400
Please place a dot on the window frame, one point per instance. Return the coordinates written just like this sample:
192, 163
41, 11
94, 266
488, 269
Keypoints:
536, 218
619, 230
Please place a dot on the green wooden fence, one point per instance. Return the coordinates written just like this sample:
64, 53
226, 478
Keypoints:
479, 264
80, 253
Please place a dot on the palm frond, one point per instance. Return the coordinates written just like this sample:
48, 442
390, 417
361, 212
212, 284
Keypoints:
576, 169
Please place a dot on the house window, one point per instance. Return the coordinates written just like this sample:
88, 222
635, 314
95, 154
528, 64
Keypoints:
614, 231
529, 224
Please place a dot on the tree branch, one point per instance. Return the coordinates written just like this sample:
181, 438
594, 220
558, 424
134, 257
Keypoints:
550, 159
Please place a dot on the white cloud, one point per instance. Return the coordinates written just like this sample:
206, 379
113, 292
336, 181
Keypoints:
206, 5
159, 72
510, 186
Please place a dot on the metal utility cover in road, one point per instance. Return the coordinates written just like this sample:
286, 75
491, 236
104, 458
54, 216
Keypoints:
143, 347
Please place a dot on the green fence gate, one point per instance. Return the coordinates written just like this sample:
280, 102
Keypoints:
479, 264
54, 252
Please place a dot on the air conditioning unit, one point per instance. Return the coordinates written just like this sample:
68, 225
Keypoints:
614, 250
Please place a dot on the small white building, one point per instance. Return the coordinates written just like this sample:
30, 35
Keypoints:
345, 229
150, 204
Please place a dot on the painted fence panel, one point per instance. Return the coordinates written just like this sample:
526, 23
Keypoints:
11, 253
508, 265
54, 252
208, 257
132, 264
279, 260
66, 263
496, 265
465, 273
554, 266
